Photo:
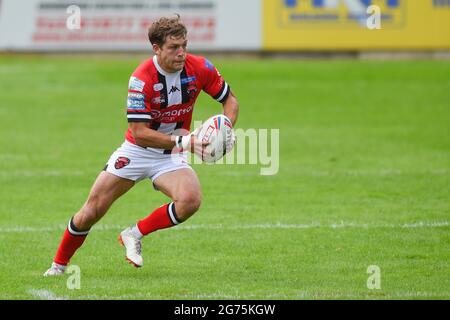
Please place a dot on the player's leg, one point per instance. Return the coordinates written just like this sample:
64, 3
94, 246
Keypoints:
106, 189
183, 187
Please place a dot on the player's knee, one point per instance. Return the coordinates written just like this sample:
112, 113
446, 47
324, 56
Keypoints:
188, 204
94, 209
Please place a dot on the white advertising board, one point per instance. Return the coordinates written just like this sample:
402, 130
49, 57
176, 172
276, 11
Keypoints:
117, 25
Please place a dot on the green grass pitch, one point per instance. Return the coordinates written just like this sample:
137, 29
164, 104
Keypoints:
363, 180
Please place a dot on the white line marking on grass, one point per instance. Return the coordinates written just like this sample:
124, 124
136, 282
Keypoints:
45, 294
27, 156
12, 69
56, 173
340, 225
375, 172
25, 229
41, 173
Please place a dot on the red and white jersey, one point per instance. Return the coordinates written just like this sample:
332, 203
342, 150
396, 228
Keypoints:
165, 101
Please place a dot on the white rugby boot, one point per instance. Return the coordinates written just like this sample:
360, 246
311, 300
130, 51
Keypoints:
133, 247
55, 270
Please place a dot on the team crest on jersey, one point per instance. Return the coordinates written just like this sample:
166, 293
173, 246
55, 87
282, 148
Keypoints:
158, 100
121, 162
191, 91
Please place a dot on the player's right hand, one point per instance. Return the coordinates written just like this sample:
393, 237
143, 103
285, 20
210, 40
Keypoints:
197, 146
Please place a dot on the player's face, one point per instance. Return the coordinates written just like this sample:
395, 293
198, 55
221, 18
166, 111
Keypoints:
172, 54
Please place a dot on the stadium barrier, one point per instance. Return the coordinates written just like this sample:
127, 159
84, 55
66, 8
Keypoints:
231, 25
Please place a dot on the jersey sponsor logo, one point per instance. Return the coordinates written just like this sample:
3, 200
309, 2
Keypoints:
136, 84
135, 105
135, 95
170, 115
187, 80
158, 86
136, 101
173, 89
155, 114
121, 162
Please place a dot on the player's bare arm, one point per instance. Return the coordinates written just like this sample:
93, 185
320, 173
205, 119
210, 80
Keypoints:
146, 137
231, 108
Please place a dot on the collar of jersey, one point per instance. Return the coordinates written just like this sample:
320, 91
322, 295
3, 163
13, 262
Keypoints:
160, 70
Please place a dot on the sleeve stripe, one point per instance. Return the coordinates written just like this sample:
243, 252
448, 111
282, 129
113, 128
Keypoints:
138, 113
138, 116
224, 93
222, 89
138, 120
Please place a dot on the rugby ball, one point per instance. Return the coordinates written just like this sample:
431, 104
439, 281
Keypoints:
218, 131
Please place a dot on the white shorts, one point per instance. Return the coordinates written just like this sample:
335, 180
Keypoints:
135, 163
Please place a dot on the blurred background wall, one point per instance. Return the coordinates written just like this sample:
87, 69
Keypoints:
227, 25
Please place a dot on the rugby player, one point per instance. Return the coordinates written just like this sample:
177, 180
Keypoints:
161, 95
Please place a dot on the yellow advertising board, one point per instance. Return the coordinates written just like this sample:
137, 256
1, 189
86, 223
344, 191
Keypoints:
356, 24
